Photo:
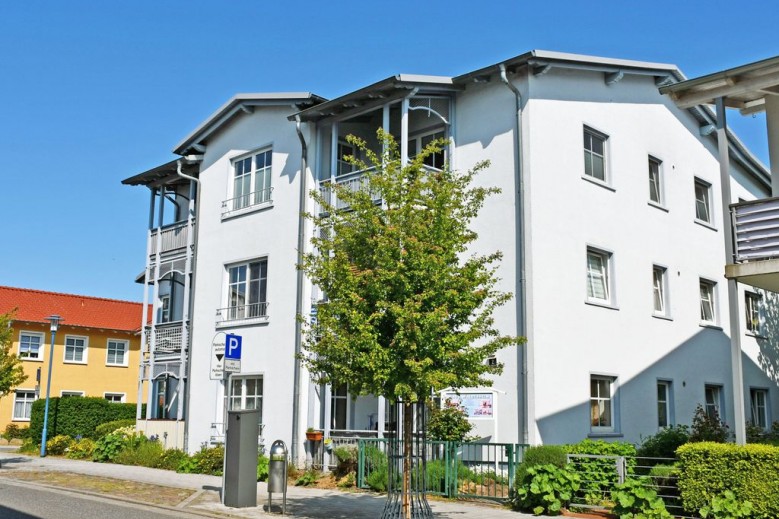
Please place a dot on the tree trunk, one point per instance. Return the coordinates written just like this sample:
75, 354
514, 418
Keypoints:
408, 445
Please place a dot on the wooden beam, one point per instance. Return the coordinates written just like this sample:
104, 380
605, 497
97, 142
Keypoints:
697, 97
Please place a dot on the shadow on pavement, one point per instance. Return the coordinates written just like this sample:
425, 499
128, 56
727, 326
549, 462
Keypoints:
8, 461
10, 513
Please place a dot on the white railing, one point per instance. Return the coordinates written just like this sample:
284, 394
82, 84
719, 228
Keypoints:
355, 181
261, 197
756, 230
167, 338
243, 312
173, 237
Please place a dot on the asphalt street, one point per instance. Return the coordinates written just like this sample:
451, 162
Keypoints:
21, 501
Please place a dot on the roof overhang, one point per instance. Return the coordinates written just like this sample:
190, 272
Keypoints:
162, 175
375, 95
244, 103
744, 87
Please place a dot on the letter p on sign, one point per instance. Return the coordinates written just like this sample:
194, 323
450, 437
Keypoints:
233, 346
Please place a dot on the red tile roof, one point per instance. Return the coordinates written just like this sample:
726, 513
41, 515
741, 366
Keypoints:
84, 311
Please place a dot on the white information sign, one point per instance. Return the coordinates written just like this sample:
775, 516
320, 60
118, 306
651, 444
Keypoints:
232, 365
217, 361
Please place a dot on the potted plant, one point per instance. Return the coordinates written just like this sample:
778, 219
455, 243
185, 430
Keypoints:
314, 435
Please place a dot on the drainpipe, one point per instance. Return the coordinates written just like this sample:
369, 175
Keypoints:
520, 223
194, 197
299, 292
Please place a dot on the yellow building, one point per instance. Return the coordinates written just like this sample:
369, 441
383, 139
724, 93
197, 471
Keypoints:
96, 348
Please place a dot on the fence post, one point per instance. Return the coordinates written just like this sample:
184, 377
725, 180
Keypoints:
620, 469
510, 455
360, 462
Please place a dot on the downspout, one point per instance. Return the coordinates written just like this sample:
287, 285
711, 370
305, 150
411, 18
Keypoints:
192, 245
520, 223
299, 291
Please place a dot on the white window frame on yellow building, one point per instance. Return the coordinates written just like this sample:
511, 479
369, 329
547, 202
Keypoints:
39, 358
85, 353
16, 391
123, 397
125, 355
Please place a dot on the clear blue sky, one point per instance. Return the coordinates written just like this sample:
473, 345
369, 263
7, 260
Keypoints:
92, 92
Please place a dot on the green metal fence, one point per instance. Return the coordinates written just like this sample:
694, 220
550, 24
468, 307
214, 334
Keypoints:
453, 469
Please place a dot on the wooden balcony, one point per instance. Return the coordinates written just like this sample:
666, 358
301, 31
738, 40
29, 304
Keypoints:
172, 239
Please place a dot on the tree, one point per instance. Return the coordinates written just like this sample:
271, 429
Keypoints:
407, 308
11, 370
449, 424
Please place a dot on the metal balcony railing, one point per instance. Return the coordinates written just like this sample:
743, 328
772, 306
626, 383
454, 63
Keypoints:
168, 338
755, 230
353, 182
243, 312
173, 238
258, 198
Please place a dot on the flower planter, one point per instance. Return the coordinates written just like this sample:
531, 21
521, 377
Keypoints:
314, 436
590, 514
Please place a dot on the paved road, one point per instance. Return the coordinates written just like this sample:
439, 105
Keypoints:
20, 501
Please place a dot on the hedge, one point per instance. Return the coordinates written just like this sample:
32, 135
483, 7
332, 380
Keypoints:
76, 416
708, 469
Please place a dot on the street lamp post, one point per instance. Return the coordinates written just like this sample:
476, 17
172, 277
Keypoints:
54, 320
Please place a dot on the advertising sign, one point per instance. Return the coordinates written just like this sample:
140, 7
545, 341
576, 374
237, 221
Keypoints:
476, 405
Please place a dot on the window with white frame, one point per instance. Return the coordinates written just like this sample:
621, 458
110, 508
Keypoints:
114, 398
116, 352
759, 401
246, 393
251, 180
660, 290
344, 166
71, 394
247, 290
599, 276
31, 345
708, 301
418, 143
75, 349
752, 309
339, 407
602, 403
713, 395
164, 312
655, 181
595, 154
23, 400
664, 403
703, 201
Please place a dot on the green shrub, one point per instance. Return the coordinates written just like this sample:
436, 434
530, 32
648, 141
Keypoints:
109, 446
448, 424
664, 443
376, 469
726, 506
599, 475
187, 466
14, 432
542, 455
308, 478
82, 449
347, 481
208, 460
347, 459
708, 428
707, 470
145, 454
58, 445
635, 498
263, 464
546, 489
172, 458
77, 416
109, 427
30, 446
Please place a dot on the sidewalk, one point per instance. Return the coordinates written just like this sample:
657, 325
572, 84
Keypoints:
301, 502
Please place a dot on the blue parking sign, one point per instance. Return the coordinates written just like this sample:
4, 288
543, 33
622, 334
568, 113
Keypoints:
233, 346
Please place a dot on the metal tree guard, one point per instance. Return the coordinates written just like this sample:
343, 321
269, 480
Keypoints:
393, 508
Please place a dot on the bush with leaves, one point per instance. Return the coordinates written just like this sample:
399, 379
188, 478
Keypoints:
263, 466
347, 459
76, 416
14, 432
82, 449
171, 459
449, 423
109, 446
726, 506
546, 489
542, 455
59, 445
664, 443
208, 460
708, 427
599, 474
145, 453
109, 427
308, 478
376, 469
636, 499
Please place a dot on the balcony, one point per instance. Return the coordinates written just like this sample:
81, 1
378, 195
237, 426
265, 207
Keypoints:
241, 315
247, 203
352, 181
173, 239
756, 243
167, 339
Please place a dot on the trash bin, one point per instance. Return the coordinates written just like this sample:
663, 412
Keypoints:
239, 485
277, 473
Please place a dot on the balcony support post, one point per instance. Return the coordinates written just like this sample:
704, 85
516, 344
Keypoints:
156, 305
772, 128
739, 418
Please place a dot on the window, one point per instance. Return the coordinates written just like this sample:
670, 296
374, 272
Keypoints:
344, 167
23, 404
251, 181
708, 307
601, 403
30, 345
76, 349
759, 400
598, 276
595, 154
659, 290
418, 143
114, 398
339, 407
702, 201
246, 393
164, 308
492, 361
713, 396
71, 394
247, 290
664, 408
752, 308
116, 353
655, 186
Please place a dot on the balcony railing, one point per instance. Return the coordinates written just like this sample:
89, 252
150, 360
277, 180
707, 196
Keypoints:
247, 201
756, 230
173, 237
355, 181
168, 338
248, 312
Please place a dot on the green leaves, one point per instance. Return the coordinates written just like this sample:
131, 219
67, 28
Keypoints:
635, 498
546, 489
727, 506
406, 307
11, 370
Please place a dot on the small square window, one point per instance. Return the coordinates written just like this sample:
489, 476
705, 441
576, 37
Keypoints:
752, 309
703, 201
655, 181
599, 276
76, 349
595, 154
116, 353
708, 301
31, 345
660, 290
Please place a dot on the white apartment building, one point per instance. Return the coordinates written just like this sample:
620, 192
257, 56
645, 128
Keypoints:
609, 221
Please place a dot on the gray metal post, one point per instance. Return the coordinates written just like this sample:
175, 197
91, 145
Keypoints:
239, 484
